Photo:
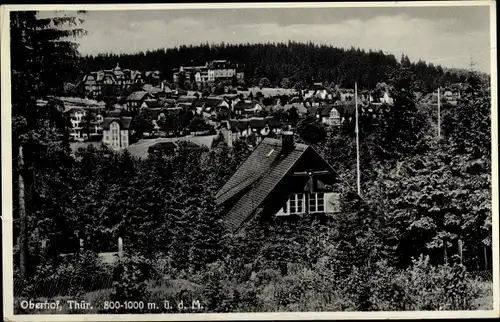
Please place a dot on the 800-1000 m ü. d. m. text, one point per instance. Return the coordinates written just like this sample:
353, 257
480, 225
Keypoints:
113, 305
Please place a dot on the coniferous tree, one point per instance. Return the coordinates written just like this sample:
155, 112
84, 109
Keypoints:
41, 60
403, 128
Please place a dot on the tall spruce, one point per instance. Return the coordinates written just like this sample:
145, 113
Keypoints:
42, 58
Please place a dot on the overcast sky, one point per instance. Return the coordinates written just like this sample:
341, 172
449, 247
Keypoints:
449, 36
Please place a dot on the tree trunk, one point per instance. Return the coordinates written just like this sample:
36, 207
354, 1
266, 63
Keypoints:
23, 241
460, 250
445, 246
485, 252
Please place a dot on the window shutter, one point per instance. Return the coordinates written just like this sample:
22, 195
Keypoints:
333, 202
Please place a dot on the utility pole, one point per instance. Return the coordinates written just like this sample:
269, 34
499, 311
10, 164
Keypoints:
439, 114
23, 245
472, 63
357, 136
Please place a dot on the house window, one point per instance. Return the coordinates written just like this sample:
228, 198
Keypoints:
296, 204
316, 202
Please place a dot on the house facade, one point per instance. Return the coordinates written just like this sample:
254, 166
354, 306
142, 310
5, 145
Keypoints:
279, 179
85, 123
116, 132
110, 80
259, 127
136, 99
329, 116
209, 73
247, 108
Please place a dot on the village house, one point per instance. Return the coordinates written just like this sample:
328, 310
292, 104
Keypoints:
116, 132
374, 110
347, 95
152, 77
135, 100
257, 127
209, 73
347, 111
300, 108
312, 101
211, 105
150, 103
200, 74
447, 93
85, 123
329, 115
247, 107
84, 115
186, 102
386, 98
221, 70
282, 179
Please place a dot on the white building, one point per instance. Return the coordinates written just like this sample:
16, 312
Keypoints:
83, 125
116, 132
210, 72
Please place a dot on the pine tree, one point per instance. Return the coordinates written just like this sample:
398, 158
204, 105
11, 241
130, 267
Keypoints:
403, 128
41, 60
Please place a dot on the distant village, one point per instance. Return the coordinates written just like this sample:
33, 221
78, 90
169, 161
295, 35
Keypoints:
149, 111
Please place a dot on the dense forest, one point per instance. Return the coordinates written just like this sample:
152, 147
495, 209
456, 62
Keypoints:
299, 63
411, 242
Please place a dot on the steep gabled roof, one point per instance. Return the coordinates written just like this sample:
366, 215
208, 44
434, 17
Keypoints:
137, 96
151, 89
210, 101
326, 110
152, 103
186, 99
244, 105
257, 175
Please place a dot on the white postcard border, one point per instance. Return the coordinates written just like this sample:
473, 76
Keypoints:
6, 157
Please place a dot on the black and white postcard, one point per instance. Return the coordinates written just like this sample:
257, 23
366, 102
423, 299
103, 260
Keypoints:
249, 161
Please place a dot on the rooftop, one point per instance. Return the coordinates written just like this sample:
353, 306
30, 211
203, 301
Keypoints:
255, 178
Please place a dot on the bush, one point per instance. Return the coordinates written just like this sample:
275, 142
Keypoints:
71, 276
130, 283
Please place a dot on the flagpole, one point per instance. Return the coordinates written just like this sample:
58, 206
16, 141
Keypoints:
357, 135
439, 113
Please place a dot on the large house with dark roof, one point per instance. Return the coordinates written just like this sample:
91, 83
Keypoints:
280, 178
95, 82
247, 108
136, 99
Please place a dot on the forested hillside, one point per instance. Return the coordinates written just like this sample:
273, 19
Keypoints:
299, 62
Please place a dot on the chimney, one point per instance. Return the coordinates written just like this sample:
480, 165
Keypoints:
287, 143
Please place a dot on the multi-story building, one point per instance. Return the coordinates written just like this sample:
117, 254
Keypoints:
116, 132
105, 82
221, 69
210, 72
84, 116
